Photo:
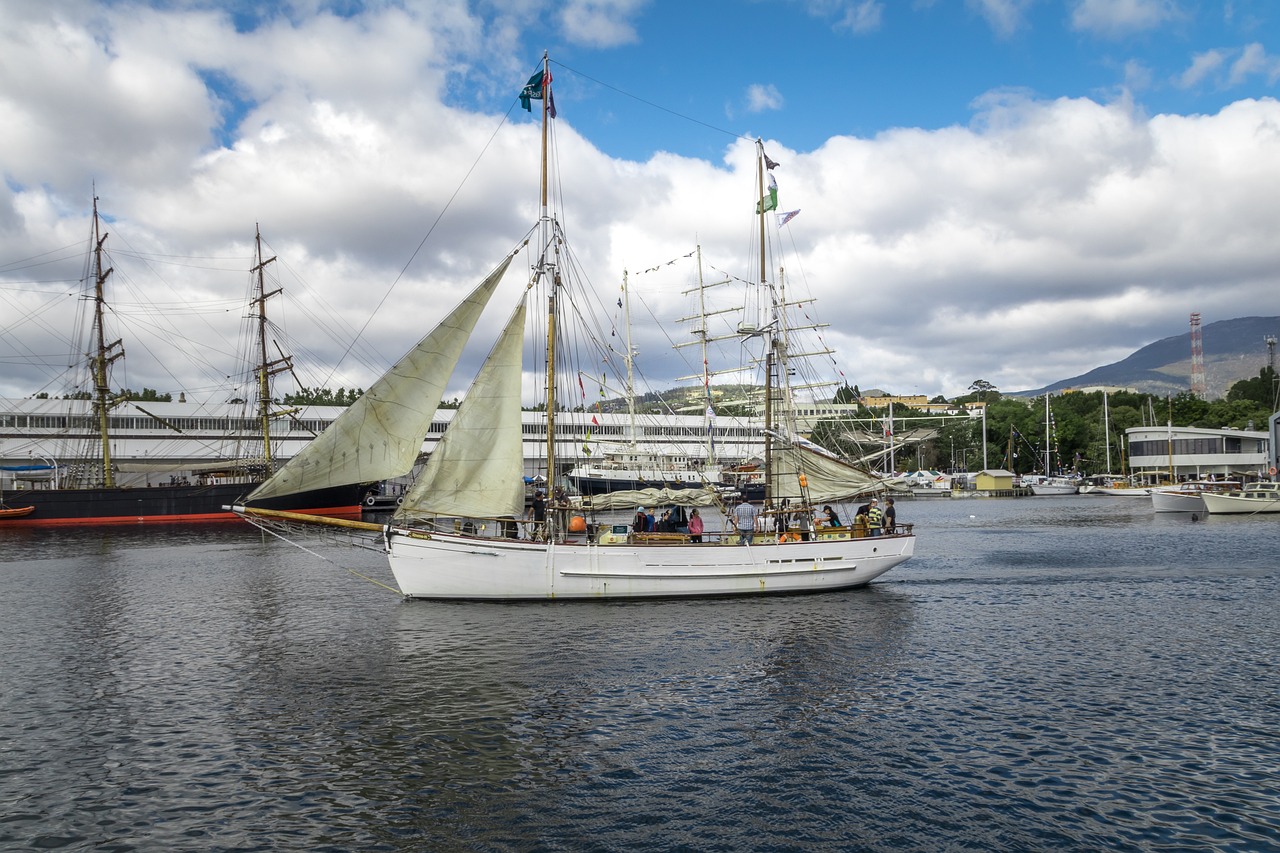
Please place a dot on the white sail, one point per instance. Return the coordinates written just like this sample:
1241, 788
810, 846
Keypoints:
476, 469
381, 434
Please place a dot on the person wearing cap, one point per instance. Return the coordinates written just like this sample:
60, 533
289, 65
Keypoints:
890, 516
537, 517
875, 518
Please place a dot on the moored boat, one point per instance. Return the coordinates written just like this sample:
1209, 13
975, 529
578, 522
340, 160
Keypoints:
1112, 485
1188, 496
1262, 497
1054, 486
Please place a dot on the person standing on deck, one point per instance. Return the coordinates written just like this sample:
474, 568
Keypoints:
804, 520
875, 518
695, 527
538, 513
890, 516
744, 518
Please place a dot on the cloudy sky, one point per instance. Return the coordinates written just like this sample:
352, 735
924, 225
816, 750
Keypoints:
1011, 190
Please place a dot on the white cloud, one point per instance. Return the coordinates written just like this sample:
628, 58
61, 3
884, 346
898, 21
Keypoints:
1069, 229
761, 97
1251, 61
1115, 18
600, 23
1005, 17
862, 17
1202, 66
1254, 62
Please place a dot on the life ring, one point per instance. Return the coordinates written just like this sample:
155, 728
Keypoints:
370, 501
1273, 470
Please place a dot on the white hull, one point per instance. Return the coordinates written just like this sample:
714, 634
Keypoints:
447, 566
1188, 496
1241, 504
1116, 491
1053, 488
1176, 501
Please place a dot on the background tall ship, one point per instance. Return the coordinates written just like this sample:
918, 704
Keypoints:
93, 486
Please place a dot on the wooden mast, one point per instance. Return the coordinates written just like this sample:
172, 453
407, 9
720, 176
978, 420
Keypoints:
545, 224
769, 357
105, 352
266, 368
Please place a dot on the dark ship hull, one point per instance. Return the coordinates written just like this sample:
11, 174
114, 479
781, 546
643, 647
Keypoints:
178, 503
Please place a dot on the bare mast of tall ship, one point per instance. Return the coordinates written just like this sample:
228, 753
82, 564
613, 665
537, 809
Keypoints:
105, 353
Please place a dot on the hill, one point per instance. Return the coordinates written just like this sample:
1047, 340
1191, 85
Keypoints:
1233, 350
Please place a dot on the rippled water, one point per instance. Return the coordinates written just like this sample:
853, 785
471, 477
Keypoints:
1047, 673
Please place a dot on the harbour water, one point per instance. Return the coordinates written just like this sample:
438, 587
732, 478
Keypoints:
1070, 673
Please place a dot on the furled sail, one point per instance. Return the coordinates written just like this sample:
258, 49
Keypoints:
628, 498
381, 434
829, 479
476, 469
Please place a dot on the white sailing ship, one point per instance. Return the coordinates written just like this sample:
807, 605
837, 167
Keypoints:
457, 533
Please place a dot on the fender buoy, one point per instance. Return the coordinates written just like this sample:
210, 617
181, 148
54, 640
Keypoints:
577, 524
370, 501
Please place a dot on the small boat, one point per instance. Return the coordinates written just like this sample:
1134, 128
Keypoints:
460, 532
1112, 485
15, 511
1054, 486
1188, 496
1258, 497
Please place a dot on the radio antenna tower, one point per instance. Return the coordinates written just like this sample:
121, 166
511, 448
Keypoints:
1270, 341
1198, 382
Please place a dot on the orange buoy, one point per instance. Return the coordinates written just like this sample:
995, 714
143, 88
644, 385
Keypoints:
577, 524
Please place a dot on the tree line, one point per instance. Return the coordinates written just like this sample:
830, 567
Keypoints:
1079, 435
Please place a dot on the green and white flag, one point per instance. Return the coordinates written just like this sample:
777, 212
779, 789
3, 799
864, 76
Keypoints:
770, 201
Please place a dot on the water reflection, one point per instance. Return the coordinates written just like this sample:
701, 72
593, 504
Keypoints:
1030, 680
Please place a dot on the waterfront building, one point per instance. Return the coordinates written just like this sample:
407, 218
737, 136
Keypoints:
46, 439
1158, 453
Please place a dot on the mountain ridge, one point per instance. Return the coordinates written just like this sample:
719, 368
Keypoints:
1233, 350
